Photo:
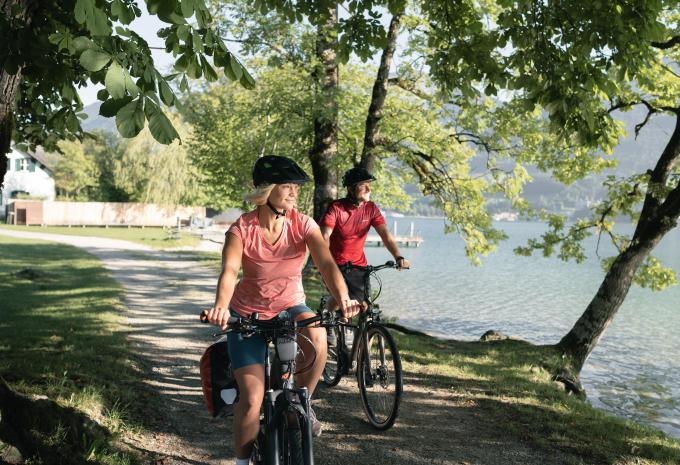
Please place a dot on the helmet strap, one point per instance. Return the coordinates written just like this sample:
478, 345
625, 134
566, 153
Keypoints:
275, 211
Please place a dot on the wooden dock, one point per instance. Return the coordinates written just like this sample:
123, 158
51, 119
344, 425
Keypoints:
410, 240
402, 241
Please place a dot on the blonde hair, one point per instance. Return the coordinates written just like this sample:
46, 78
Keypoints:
260, 195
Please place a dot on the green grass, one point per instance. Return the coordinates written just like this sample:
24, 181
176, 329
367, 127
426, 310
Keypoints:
511, 382
62, 335
153, 237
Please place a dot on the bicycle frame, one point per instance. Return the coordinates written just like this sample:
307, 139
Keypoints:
365, 319
278, 402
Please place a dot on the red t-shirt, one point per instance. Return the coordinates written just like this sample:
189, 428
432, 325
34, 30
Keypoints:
350, 225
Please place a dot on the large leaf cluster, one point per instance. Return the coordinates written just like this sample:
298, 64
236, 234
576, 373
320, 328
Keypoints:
61, 45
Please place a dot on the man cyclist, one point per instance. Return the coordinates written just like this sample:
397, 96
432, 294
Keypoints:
345, 227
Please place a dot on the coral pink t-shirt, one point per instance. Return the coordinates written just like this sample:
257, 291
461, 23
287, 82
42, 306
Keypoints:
272, 273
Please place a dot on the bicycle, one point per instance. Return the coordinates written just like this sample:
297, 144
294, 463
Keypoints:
380, 378
285, 435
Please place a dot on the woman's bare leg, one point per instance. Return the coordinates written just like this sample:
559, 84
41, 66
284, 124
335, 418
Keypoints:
250, 379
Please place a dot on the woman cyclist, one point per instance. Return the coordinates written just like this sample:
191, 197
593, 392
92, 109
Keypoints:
270, 244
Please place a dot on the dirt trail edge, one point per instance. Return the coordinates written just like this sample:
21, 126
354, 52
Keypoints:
164, 294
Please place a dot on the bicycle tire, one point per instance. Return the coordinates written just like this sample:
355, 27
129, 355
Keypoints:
380, 377
333, 370
290, 441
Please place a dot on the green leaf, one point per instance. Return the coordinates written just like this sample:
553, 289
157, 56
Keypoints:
208, 71
172, 18
187, 8
123, 32
221, 59
197, 42
184, 84
111, 106
120, 11
182, 63
184, 32
167, 96
161, 7
81, 8
83, 43
115, 81
72, 122
130, 118
236, 67
95, 19
102, 95
92, 60
159, 125
202, 18
194, 70
247, 80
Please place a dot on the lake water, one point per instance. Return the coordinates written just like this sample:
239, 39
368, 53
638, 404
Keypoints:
635, 369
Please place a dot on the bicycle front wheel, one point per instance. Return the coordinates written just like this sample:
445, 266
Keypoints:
290, 440
380, 377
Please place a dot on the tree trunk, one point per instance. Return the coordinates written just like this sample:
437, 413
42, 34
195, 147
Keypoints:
325, 145
18, 12
656, 219
372, 134
590, 327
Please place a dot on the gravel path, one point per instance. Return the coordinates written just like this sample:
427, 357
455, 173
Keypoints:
164, 294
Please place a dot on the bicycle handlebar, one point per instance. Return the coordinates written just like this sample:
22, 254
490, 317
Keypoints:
371, 268
243, 324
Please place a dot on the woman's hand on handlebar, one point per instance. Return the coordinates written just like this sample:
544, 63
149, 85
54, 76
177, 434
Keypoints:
218, 316
350, 308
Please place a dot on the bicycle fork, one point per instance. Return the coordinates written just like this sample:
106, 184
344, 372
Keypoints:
272, 421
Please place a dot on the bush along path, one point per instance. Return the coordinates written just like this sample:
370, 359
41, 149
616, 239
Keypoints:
464, 403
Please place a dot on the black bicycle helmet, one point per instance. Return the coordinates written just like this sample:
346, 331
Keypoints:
356, 175
272, 169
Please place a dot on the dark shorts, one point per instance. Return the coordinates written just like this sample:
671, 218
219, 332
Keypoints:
252, 350
355, 284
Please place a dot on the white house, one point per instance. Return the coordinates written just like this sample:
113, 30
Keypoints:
27, 174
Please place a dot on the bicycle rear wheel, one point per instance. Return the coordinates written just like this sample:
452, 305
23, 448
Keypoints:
380, 377
332, 372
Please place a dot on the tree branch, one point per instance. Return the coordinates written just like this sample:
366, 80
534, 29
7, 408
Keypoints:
672, 42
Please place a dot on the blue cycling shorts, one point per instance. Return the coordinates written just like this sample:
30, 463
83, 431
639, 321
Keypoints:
252, 350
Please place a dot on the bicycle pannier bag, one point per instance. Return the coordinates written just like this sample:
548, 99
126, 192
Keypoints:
220, 390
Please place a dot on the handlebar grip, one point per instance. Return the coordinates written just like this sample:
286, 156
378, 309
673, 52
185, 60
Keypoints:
204, 318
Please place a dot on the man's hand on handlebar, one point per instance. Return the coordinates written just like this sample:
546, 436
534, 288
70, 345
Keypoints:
349, 308
218, 316
403, 264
